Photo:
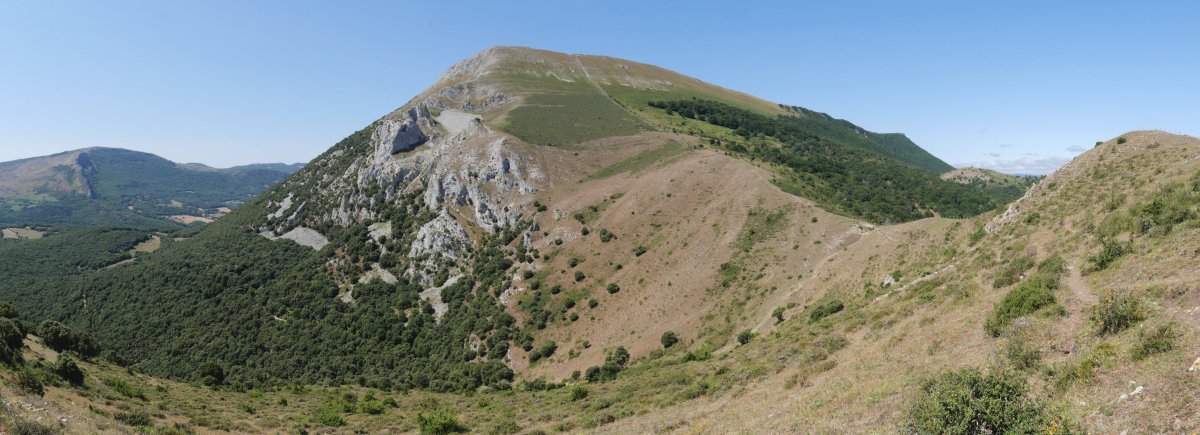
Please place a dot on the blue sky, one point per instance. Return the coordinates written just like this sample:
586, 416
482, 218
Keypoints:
1017, 86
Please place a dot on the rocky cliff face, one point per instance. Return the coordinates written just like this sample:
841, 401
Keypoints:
467, 174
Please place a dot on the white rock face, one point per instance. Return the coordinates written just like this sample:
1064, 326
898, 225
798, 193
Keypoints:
307, 237
440, 239
456, 121
398, 135
434, 296
380, 230
377, 272
283, 207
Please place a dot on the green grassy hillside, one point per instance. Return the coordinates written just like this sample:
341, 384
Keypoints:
116, 187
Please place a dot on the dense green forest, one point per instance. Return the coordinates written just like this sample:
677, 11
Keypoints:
894, 145
843, 178
266, 311
65, 252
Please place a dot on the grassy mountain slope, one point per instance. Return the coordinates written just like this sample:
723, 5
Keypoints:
415, 261
443, 248
1009, 187
115, 187
859, 369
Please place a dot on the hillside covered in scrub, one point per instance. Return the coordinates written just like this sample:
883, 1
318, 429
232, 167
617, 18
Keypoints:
554, 242
104, 187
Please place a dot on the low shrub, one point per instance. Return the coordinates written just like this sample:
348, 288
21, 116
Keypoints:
1082, 370
745, 337
371, 407
1116, 313
578, 393
971, 402
330, 414
133, 418
546, 350
825, 309
1012, 272
1110, 252
440, 422
1022, 356
11, 334
62, 338
1156, 341
669, 339
31, 381
1053, 265
68, 370
1031, 295
124, 388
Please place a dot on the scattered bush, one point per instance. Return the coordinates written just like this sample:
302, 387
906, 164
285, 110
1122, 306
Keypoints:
977, 235
614, 363
613, 288
745, 337
578, 393
1159, 340
68, 370
585, 231
1021, 355
124, 388
639, 250
211, 374
1033, 294
11, 334
546, 350
1053, 265
825, 309
26, 427
1116, 313
62, 338
778, 314
330, 414
1066, 374
592, 303
133, 418
1012, 272
1120, 140
31, 381
971, 402
669, 339
579, 276
371, 407
606, 236
1110, 252
440, 422
506, 427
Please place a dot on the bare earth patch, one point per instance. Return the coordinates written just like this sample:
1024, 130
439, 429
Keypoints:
189, 219
21, 233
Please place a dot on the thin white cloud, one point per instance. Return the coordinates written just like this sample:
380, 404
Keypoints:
1076, 149
1026, 165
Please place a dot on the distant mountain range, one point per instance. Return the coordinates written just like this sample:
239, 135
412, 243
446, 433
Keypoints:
118, 187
